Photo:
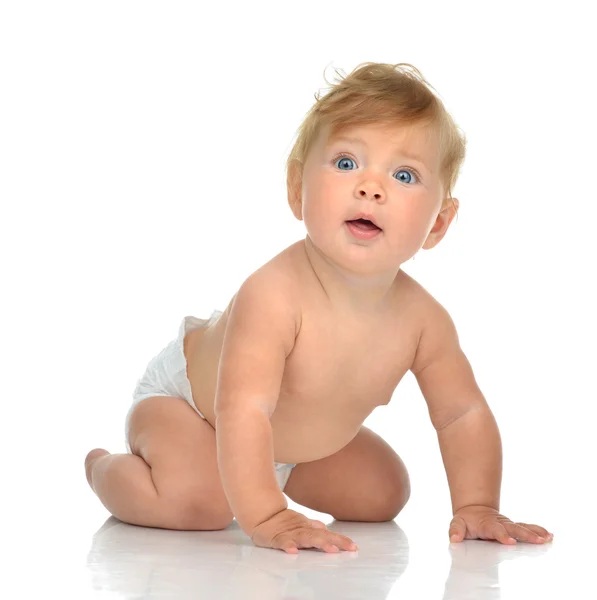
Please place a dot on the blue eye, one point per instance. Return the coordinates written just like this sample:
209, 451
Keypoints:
406, 171
343, 159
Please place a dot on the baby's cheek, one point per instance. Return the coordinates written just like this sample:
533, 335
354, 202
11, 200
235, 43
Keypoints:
316, 213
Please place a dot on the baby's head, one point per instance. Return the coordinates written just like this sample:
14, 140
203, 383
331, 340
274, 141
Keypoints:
394, 113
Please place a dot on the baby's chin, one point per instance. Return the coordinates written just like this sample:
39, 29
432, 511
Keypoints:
363, 261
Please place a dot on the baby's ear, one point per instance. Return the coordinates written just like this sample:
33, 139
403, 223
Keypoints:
442, 222
294, 185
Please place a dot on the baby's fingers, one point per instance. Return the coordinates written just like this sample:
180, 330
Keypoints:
314, 538
541, 531
457, 529
289, 546
522, 532
326, 540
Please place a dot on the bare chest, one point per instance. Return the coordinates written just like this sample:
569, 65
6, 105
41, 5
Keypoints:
336, 375
342, 371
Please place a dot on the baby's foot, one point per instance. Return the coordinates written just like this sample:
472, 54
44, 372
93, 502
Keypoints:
90, 460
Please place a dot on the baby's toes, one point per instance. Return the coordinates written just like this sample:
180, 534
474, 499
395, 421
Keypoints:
90, 460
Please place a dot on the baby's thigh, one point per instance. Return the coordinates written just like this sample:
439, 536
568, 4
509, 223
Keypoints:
180, 447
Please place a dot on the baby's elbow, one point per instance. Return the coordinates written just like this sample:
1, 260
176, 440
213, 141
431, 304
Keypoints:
470, 411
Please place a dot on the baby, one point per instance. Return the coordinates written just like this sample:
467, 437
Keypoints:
269, 396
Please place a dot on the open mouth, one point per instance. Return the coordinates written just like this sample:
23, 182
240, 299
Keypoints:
365, 225
361, 229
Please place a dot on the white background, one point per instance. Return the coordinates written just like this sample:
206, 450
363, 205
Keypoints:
142, 151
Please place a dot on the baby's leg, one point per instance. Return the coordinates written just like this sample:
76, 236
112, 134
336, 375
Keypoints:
172, 480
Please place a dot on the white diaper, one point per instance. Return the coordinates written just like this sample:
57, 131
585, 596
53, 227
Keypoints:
166, 375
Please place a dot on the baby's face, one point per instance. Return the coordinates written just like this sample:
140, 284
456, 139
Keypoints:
378, 176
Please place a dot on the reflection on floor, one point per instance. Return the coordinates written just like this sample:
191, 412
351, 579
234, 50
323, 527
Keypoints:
139, 562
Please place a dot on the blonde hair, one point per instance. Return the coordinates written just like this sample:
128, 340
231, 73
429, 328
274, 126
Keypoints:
377, 94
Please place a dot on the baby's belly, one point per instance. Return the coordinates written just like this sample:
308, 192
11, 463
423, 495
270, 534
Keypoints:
306, 437
302, 429
298, 436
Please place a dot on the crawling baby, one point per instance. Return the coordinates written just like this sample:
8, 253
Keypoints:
269, 396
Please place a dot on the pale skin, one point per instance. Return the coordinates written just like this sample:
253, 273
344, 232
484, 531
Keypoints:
309, 346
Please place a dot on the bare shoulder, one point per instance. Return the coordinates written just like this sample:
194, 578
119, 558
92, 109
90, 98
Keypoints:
416, 297
261, 329
427, 307
271, 294
436, 329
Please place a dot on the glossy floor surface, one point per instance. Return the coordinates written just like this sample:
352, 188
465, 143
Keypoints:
89, 554
134, 562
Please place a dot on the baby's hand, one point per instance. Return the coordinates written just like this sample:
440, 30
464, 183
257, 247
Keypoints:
486, 523
289, 530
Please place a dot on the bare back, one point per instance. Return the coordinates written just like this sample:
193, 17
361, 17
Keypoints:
338, 372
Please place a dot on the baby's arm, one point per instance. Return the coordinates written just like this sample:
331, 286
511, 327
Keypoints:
467, 432
260, 335
262, 328
468, 435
